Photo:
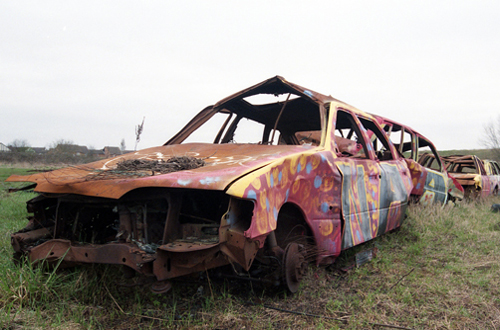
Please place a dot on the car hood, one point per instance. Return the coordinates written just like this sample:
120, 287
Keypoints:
224, 163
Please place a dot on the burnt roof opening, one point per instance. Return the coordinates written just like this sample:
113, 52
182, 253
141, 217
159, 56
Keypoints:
275, 106
298, 114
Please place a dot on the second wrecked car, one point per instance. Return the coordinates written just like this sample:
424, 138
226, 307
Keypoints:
431, 182
470, 172
274, 177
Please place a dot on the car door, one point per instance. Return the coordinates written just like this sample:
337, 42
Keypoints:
374, 195
436, 183
395, 179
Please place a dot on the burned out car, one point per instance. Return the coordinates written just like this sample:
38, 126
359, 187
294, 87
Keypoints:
431, 182
469, 171
256, 182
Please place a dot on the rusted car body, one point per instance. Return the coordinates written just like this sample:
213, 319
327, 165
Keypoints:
469, 171
308, 173
431, 181
493, 171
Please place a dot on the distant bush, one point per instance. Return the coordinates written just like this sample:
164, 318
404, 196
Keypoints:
49, 158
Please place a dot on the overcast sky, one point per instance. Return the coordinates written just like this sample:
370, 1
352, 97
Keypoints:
89, 71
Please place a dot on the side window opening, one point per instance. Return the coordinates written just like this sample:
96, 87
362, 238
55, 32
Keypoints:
480, 167
497, 167
491, 168
465, 169
425, 147
348, 137
463, 164
427, 160
403, 141
378, 140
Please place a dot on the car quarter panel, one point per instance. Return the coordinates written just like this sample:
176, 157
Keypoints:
310, 181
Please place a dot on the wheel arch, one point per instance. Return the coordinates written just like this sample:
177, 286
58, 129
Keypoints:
292, 222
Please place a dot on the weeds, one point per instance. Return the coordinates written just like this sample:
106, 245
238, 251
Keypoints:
439, 271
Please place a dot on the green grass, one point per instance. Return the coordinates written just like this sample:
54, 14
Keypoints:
5, 172
439, 271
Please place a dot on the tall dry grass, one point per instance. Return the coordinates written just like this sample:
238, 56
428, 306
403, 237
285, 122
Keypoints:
439, 271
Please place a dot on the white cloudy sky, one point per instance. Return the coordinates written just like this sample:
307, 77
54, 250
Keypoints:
89, 71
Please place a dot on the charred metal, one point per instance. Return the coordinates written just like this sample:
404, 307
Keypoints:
139, 228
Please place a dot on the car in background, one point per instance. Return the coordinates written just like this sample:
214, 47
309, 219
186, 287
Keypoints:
260, 181
470, 172
493, 171
431, 181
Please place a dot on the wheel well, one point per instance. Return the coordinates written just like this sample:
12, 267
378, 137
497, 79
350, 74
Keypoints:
292, 226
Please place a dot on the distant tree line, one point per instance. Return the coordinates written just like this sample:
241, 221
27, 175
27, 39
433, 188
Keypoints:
59, 152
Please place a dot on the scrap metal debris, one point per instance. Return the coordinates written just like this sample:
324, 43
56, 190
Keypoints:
147, 167
365, 256
173, 164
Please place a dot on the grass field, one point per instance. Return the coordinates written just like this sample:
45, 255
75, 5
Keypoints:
439, 271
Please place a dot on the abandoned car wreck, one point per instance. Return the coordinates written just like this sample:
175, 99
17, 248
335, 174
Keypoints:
286, 174
469, 171
431, 182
